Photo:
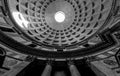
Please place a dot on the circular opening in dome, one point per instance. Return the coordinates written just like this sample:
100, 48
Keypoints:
60, 16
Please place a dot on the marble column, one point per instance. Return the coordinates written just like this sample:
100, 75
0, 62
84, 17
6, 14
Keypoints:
73, 70
47, 70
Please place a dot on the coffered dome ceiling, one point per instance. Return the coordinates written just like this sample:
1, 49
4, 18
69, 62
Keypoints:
83, 18
59, 28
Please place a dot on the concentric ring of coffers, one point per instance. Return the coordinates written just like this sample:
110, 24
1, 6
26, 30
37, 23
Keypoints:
83, 19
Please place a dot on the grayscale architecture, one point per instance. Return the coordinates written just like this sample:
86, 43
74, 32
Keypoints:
59, 37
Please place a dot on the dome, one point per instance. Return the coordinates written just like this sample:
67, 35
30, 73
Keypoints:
58, 28
59, 37
81, 20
